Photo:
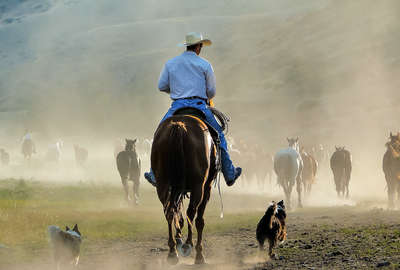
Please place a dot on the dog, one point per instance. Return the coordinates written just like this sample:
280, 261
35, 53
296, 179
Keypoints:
66, 245
272, 226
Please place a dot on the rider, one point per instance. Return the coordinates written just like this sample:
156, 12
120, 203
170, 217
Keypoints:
190, 81
28, 137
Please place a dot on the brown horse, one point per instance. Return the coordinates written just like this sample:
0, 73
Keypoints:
341, 168
183, 159
310, 166
129, 166
391, 168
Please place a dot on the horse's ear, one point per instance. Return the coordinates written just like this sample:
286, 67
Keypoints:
126, 140
134, 141
337, 148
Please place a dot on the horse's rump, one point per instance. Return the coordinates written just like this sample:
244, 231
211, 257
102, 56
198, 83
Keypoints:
181, 141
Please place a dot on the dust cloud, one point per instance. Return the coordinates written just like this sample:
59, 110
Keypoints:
320, 70
85, 72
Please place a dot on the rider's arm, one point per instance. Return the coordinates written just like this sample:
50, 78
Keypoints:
210, 82
163, 82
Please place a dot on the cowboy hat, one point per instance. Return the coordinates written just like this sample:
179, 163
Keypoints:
194, 38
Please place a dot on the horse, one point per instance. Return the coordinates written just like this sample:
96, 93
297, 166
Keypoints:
310, 167
184, 160
81, 155
129, 166
341, 167
288, 167
391, 168
28, 148
4, 157
54, 152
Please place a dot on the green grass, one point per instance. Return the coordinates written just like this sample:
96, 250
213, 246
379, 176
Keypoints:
27, 208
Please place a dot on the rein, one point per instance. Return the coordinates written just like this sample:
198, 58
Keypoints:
218, 183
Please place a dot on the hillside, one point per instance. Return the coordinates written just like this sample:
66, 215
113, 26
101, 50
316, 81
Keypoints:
322, 69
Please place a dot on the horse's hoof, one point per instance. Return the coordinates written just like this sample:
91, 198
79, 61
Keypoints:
199, 259
185, 250
172, 258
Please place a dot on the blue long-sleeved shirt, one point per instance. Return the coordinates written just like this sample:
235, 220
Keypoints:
188, 75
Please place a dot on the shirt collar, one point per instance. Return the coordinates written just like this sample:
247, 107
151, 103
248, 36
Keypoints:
189, 53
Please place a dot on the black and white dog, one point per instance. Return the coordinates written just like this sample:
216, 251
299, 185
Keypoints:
272, 226
66, 245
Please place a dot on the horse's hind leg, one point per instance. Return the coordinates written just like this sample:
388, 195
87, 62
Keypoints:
200, 226
173, 254
179, 227
195, 198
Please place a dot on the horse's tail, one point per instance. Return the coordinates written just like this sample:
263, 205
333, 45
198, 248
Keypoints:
176, 162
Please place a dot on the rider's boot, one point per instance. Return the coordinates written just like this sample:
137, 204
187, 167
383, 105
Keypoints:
229, 171
150, 177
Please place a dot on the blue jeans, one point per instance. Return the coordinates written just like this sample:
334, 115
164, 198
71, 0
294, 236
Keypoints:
227, 167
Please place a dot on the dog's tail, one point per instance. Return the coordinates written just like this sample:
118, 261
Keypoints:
53, 231
271, 211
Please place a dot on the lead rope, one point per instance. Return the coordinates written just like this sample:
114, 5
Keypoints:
218, 182
220, 195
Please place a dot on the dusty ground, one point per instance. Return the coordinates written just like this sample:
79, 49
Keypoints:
346, 236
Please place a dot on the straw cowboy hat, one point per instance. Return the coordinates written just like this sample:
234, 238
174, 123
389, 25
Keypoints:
194, 38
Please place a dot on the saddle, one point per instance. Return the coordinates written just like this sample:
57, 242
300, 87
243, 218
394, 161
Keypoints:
199, 114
